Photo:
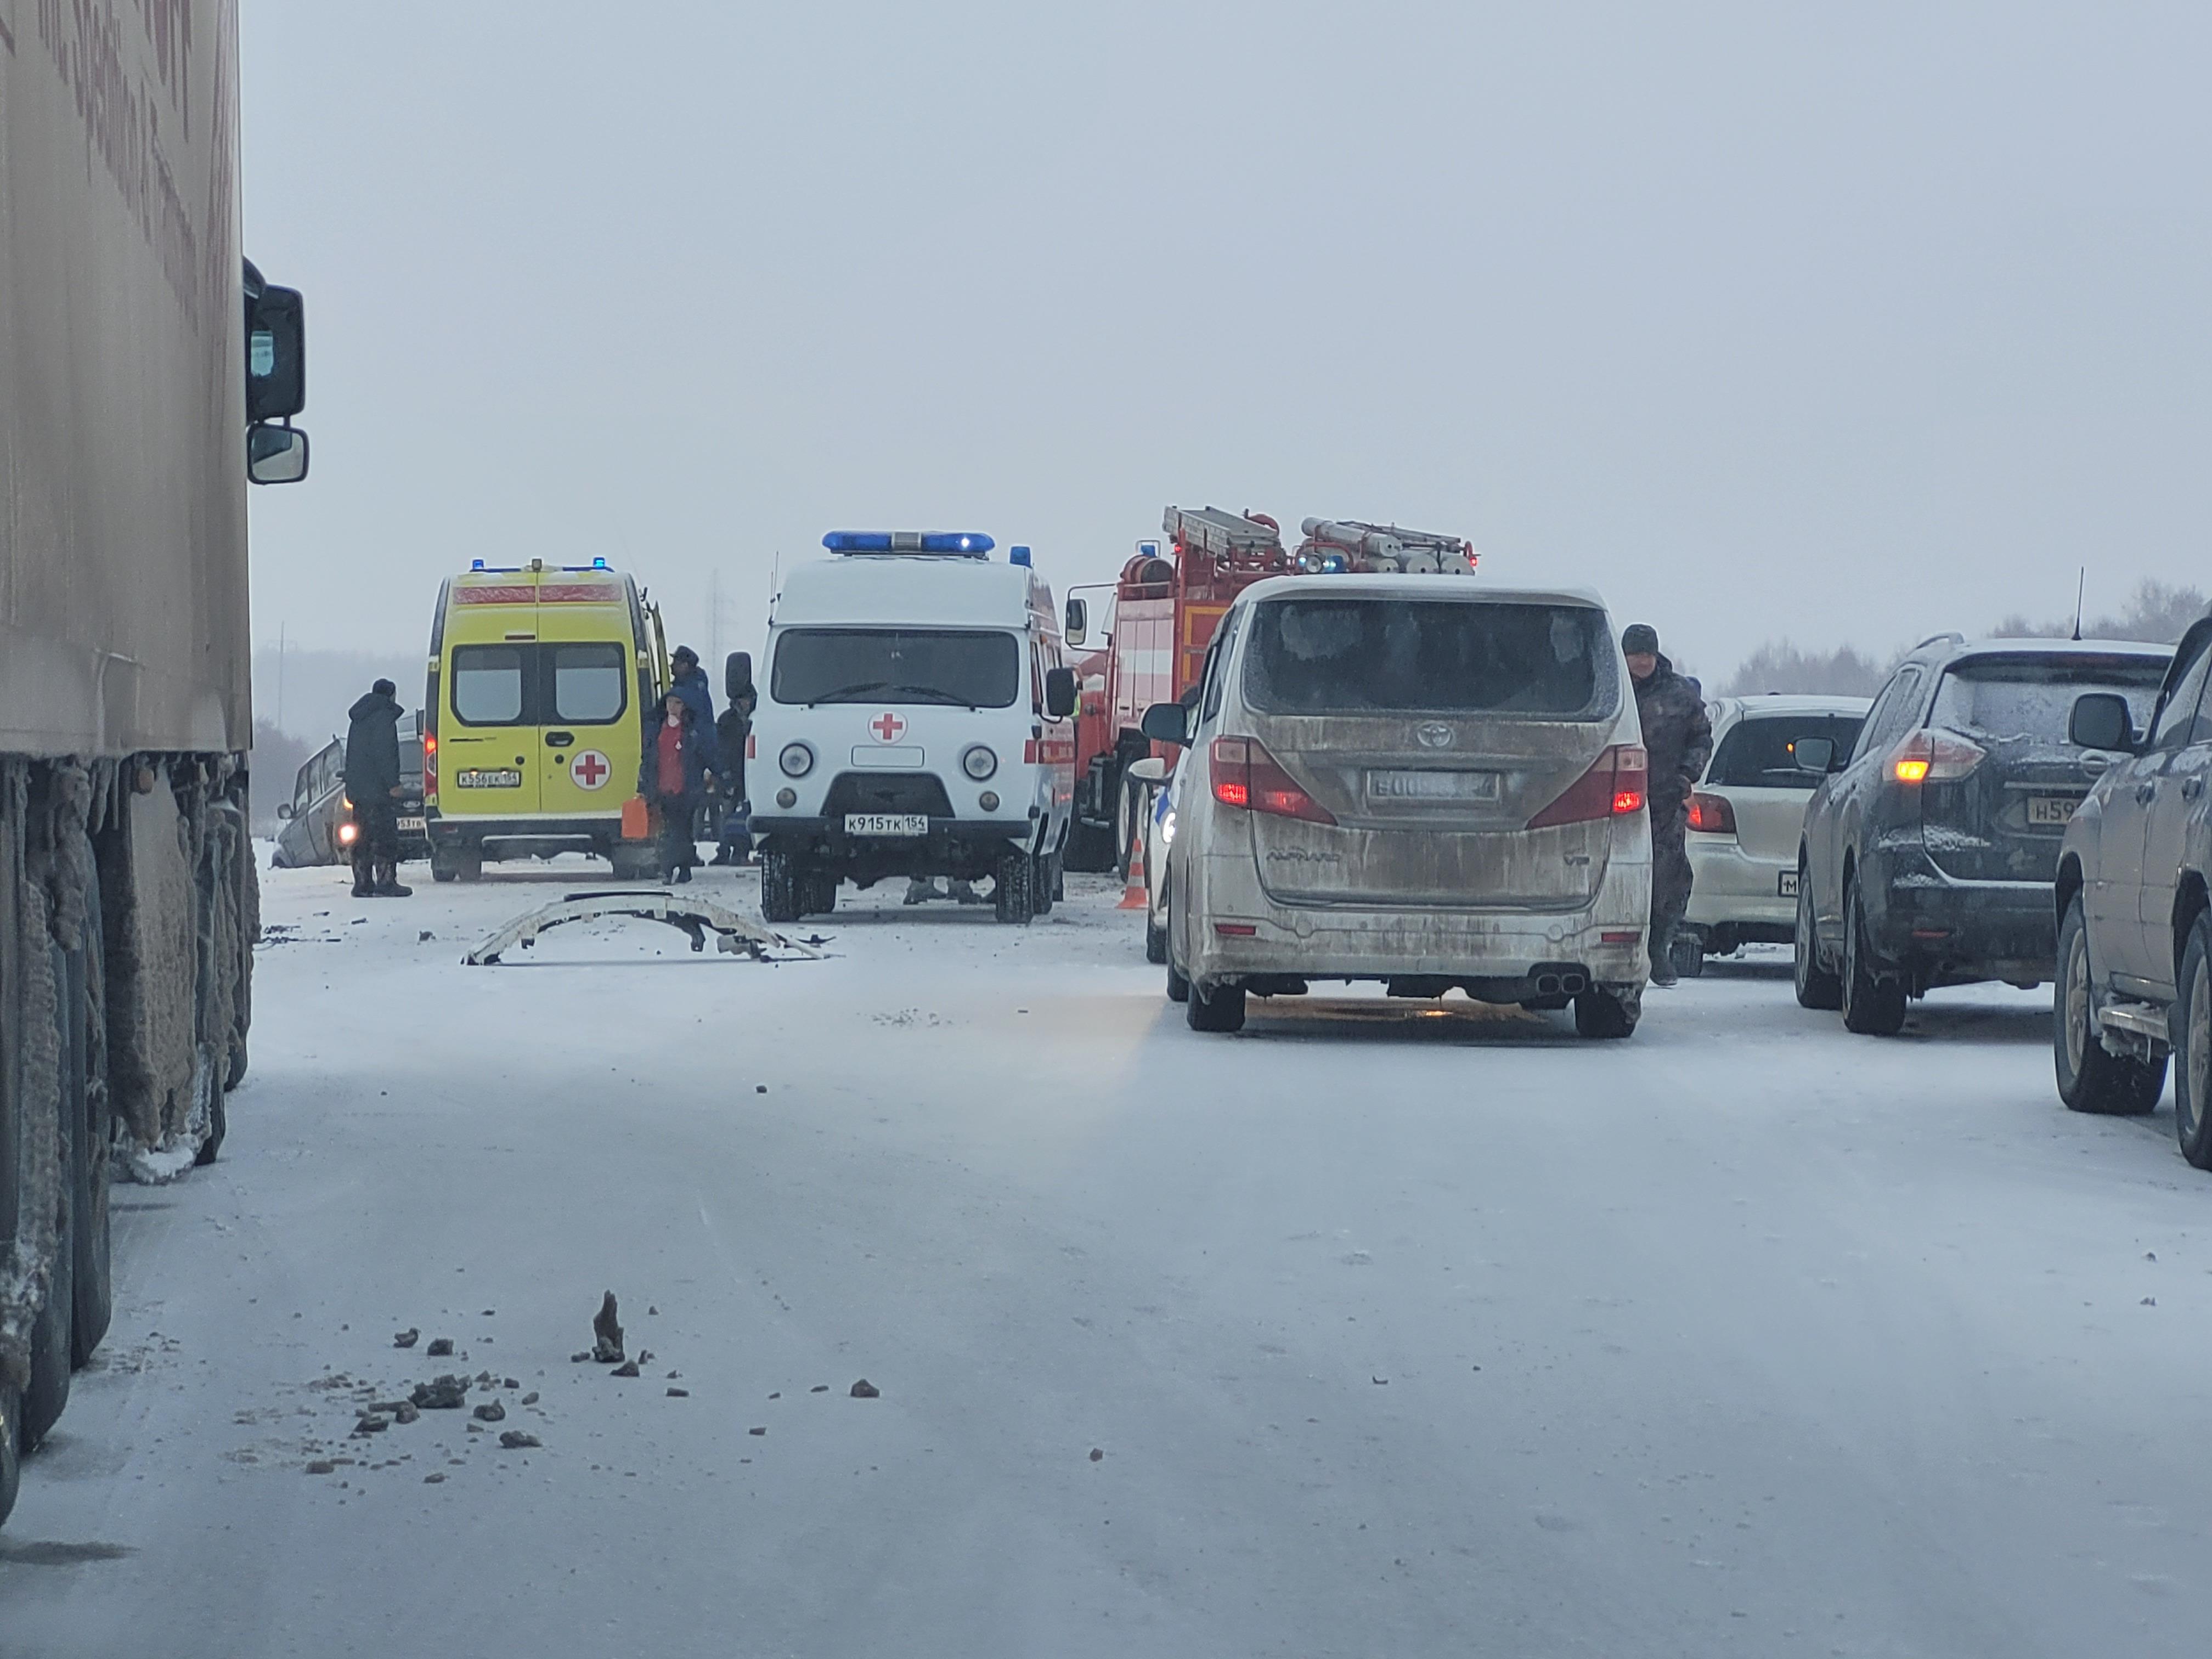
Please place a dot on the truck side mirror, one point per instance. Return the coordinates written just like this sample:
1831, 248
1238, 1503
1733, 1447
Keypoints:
736, 676
1077, 628
284, 809
1813, 754
276, 454
276, 355
2100, 721
1060, 692
1167, 723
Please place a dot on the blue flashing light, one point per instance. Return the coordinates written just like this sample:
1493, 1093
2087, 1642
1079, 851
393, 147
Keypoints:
476, 564
598, 564
975, 543
1018, 554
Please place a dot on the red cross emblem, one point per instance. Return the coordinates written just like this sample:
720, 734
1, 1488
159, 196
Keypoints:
887, 727
590, 769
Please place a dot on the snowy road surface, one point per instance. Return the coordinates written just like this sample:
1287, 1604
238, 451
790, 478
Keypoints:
1395, 1331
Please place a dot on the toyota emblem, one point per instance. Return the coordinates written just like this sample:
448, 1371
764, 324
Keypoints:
1433, 734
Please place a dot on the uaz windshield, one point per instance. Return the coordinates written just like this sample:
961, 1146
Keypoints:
972, 669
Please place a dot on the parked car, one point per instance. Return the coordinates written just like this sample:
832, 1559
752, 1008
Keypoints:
318, 820
1929, 858
1412, 780
2135, 940
1154, 781
1747, 816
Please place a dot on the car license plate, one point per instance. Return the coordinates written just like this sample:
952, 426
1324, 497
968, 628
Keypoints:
1787, 884
886, 823
411, 826
505, 778
2053, 809
1426, 785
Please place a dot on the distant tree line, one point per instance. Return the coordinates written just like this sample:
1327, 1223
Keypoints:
2155, 611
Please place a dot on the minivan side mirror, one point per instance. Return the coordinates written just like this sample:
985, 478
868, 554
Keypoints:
1077, 628
1060, 692
2100, 721
736, 676
276, 454
1167, 723
1814, 755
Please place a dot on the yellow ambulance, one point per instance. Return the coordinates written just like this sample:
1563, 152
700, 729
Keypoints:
539, 677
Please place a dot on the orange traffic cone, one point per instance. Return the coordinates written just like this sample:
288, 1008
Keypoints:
1135, 895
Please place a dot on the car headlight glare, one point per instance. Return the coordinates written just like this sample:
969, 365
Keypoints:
797, 760
1167, 829
979, 762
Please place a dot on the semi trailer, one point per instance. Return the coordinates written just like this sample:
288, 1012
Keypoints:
147, 371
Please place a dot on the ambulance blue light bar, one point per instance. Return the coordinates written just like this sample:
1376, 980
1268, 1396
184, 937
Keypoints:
1018, 556
972, 543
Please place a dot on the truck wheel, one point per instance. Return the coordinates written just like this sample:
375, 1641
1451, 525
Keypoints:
1014, 881
2192, 1047
1040, 894
1089, 847
1124, 828
1221, 1009
443, 866
1155, 941
1873, 1002
2091, 1079
821, 889
1817, 986
1601, 1014
779, 888
468, 862
86, 1053
46, 1392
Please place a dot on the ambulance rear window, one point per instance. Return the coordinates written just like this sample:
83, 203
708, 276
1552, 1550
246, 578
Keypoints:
487, 685
971, 669
587, 681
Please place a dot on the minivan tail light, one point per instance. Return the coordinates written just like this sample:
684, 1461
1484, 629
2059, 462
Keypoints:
1615, 786
1245, 775
1713, 814
1933, 756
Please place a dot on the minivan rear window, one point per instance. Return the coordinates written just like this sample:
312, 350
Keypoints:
2032, 697
972, 668
1344, 654
1758, 750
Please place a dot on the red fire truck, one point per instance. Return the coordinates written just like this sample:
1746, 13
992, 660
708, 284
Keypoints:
1168, 600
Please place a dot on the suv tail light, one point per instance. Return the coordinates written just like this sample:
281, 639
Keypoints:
1713, 814
1246, 775
1933, 756
1612, 787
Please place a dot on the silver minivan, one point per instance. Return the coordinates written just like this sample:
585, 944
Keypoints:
1412, 780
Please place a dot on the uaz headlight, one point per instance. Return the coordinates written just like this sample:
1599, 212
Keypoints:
797, 760
979, 762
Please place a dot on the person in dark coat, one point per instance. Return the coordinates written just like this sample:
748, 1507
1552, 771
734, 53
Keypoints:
672, 777
373, 784
1678, 738
733, 829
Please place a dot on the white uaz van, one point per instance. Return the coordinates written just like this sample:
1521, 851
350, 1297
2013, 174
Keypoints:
916, 720
1431, 783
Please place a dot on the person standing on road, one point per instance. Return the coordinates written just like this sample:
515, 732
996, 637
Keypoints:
373, 784
1678, 738
733, 728
672, 776
688, 680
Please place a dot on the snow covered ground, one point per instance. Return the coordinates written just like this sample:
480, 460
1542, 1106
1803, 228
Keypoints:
1378, 1329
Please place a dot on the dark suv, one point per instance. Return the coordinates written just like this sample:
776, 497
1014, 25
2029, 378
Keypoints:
1929, 856
2135, 942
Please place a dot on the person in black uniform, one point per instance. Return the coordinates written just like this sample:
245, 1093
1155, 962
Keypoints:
373, 784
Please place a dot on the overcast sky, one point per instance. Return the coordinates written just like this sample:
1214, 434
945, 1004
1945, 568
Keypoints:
1845, 323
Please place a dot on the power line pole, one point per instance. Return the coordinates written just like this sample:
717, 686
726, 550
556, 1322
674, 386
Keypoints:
279, 677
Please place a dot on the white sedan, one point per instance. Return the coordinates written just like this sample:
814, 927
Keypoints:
1746, 817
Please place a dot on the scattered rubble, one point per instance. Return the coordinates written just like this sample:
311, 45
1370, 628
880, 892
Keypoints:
490, 1412
865, 1389
607, 1331
406, 1339
758, 1431
322, 1466
445, 1394
516, 1440
629, 1369
441, 1347
434, 1477
679, 1394
529, 1399
1096, 1455
372, 1422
